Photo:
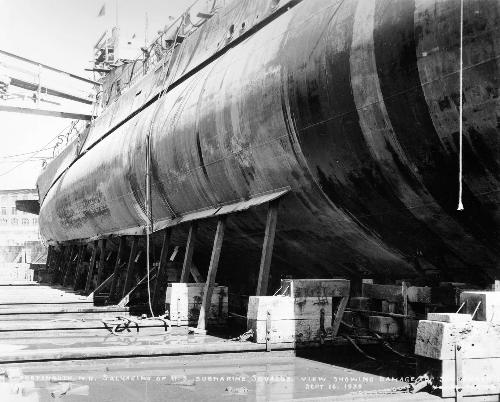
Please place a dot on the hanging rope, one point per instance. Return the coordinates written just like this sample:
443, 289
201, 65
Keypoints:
460, 161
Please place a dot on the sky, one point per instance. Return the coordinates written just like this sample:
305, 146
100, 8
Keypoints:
62, 33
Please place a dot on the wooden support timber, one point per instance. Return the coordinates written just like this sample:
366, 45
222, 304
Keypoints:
158, 296
116, 271
102, 261
125, 299
339, 314
131, 266
103, 285
91, 269
198, 278
267, 248
52, 263
72, 257
63, 264
212, 272
50, 257
57, 264
188, 256
78, 268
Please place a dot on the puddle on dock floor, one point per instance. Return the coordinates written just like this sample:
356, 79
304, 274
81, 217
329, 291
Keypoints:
246, 377
105, 341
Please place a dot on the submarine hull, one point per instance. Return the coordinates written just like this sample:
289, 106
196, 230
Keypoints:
348, 108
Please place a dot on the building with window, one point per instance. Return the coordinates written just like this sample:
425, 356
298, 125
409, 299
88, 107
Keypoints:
19, 235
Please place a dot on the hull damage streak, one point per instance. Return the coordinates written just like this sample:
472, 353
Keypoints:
350, 105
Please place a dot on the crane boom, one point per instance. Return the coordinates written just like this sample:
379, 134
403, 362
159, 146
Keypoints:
49, 91
42, 112
57, 70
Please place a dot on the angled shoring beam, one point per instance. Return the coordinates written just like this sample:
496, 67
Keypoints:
131, 266
91, 268
161, 279
188, 256
212, 273
102, 260
267, 248
116, 271
78, 268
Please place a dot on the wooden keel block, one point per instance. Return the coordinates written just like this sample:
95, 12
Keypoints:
486, 302
390, 293
395, 293
437, 340
356, 319
183, 301
317, 287
388, 307
468, 354
292, 319
417, 294
448, 293
480, 378
359, 303
349, 318
383, 325
449, 317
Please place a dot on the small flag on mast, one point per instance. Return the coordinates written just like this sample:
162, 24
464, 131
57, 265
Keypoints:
102, 11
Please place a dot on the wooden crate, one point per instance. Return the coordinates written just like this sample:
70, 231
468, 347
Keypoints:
183, 301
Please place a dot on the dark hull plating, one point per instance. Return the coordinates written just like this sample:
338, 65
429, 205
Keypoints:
353, 105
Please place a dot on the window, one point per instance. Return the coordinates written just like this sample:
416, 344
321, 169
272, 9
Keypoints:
14, 221
25, 221
35, 221
14, 211
3, 221
4, 211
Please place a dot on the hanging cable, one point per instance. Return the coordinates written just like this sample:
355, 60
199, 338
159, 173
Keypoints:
149, 207
460, 157
149, 214
33, 154
25, 153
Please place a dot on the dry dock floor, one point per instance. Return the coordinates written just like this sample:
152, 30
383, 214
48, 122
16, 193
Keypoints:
55, 346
